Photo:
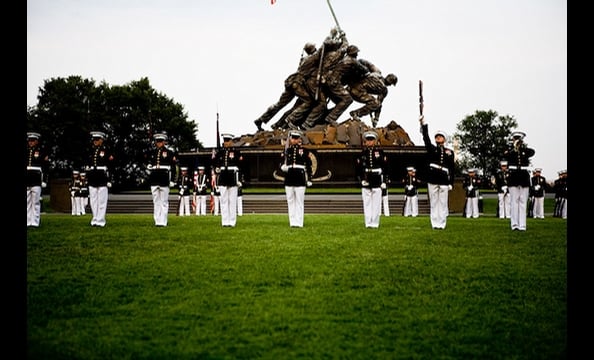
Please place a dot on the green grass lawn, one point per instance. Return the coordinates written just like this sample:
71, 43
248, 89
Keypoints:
263, 290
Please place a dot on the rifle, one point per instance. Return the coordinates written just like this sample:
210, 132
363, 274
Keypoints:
530, 206
287, 145
421, 105
218, 135
558, 207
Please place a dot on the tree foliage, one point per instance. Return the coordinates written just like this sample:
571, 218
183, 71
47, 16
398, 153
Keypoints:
68, 109
482, 138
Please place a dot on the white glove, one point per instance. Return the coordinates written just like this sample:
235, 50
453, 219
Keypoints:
43, 185
537, 187
504, 188
409, 187
470, 187
364, 183
422, 119
239, 183
449, 187
72, 193
108, 184
383, 185
217, 170
171, 184
284, 167
309, 183
149, 167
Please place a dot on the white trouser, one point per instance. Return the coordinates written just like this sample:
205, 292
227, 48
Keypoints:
77, 205
81, 203
411, 205
564, 209
386, 205
504, 205
201, 204
33, 205
239, 205
518, 204
228, 205
98, 200
295, 204
216, 204
438, 201
472, 206
538, 208
160, 204
184, 206
73, 205
372, 206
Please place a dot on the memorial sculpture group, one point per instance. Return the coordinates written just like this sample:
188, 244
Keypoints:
328, 81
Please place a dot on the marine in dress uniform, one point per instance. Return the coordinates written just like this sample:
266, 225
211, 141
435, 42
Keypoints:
440, 175
538, 184
201, 187
372, 171
37, 169
411, 185
228, 167
215, 194
98, 171
560, 189
184, 187
74, 187
297, 166
503, 199
84, 192
518, 161
471, 184
162, 166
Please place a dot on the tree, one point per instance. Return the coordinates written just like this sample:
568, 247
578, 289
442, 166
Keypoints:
69, 108
482, 138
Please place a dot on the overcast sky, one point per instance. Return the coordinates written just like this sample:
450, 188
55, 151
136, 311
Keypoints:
233, 56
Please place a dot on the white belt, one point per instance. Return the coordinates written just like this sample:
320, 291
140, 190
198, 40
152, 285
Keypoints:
37, 168
161, 167
296, 166
233, 168
443, 168
518, 167
104, 168
377, 171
